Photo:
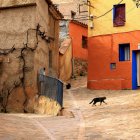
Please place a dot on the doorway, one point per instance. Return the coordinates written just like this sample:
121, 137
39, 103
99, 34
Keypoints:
135, 69
138, 68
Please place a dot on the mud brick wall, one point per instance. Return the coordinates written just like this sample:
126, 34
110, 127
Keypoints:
23, 52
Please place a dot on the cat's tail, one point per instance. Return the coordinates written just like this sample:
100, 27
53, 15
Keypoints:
91, 101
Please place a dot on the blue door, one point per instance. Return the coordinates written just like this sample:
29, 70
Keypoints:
135, 69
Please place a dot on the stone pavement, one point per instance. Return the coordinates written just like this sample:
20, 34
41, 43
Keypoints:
118, 120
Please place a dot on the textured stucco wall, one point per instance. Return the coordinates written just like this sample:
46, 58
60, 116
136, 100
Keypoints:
51, 27
104, 50
76, 32
13, 33
104, 40
104, 24
14, 25
7, 3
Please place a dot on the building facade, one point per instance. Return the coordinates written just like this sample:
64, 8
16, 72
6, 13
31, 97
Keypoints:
29, 32
74, 27
73, 9
114, 45
78, 32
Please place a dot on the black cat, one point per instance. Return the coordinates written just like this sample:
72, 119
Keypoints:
99, 99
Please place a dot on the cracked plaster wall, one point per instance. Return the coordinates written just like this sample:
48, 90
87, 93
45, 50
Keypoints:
15, 22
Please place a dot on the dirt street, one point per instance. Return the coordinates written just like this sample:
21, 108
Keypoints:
118, 120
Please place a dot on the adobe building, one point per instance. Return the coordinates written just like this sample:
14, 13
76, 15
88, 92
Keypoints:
74, 27
29, 34
114, 45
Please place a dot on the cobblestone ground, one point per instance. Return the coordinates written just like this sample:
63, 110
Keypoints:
118, 120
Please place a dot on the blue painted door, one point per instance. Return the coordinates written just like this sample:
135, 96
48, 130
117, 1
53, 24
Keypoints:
138, 69
134, 70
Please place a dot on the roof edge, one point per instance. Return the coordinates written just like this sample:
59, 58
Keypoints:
54, 9
79, 23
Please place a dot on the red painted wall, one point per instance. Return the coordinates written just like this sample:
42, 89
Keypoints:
104, 50
76, 31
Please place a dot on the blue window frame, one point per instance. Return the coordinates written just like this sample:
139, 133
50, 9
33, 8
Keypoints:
124, 52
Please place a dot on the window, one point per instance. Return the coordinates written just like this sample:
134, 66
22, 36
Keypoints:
124, 52
73, 14
113, 66
119, 15
84, 42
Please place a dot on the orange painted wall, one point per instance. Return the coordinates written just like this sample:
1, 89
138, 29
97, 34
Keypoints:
76, 31
103, 50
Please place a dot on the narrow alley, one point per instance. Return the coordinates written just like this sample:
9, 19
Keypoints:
56, 57
119, 119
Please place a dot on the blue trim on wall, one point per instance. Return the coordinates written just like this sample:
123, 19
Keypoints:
121, 53
134, 70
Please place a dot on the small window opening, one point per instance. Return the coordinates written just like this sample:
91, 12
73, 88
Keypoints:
124, 52
73, 14
84, 42
113, 66
119, 15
